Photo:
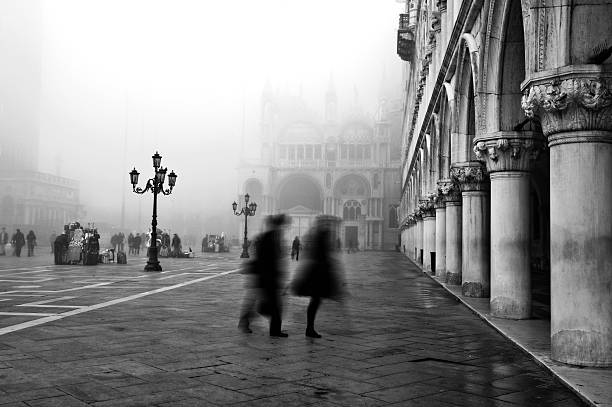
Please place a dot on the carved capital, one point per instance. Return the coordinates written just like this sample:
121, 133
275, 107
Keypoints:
563, 104
449, 191
509, 151
471, 176
441, 5
426, 206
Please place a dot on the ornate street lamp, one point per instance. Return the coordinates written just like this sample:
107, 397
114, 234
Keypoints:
247, 210
156, 186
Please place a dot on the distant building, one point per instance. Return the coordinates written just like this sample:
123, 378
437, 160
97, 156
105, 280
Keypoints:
346, 168
29, 199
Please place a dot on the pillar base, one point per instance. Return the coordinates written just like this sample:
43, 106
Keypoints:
474, 289
453, 278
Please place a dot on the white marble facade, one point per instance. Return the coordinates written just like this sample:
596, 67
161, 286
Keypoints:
507, 150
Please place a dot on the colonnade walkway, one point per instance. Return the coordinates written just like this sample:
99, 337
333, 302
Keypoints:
171, 339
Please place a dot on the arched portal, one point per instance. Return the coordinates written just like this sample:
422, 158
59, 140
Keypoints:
300, 191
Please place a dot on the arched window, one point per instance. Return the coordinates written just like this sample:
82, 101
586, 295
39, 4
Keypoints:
393, 217
352, 210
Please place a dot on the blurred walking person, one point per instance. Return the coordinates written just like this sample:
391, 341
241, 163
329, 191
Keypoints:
268, 276
4, 239
295, 249
31, 239
18, 242
318, 275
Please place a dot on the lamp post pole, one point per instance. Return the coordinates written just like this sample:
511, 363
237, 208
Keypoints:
247, 210
156, 186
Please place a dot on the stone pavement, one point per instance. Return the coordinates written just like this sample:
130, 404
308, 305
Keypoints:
122, 337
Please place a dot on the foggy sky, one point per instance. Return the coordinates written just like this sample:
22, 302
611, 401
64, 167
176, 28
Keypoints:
122, 79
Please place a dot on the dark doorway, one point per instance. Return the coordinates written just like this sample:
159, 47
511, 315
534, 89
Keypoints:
350, 237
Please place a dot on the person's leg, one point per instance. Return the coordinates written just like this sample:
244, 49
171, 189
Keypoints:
247, 310
311, 313
275, 316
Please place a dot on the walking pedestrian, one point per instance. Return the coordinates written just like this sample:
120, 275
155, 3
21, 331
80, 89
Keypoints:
295, 249
269, 276
18, 242
31, 239
318, 276
137, 244
130, 240
3, 241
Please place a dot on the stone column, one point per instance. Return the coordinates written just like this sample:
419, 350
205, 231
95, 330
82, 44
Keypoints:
419, 235
509, 157
575, 108
429, 232
471, 177
452, 198
440, 208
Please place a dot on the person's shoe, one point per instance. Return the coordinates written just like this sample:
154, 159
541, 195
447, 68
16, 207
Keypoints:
311, 333
244, 327
279, 334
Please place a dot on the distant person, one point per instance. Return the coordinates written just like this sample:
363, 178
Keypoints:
4, 239
31, 240
295, 249
120, 242
137, 244
52, 241
268, 274
176, 246
18, 242
318, 276
130, 240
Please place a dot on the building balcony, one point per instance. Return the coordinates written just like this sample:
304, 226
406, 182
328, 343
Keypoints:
405, 36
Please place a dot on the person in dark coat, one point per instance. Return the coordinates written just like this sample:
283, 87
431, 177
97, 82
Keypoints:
137, 244
295, 249
318, 276
31, 239
268, 277
18, 241
176, 246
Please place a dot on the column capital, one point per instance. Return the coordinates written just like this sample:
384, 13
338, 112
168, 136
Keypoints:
509, 150
470, 176
426, 206
449, 191
570, 99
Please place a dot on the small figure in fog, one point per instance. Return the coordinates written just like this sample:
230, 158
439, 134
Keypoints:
137, 244
18, 242
267, 275
176, 246
295, 249
4, 239
318, 276
31, 240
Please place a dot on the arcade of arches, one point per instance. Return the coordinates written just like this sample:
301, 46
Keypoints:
508, 160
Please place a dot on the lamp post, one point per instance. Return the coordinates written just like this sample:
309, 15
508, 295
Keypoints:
247, 210
156, 186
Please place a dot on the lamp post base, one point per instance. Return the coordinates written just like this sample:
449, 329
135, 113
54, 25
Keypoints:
245, 250
152, 266
153, 262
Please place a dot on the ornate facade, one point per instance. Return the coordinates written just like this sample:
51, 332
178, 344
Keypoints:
309, 166
508, 135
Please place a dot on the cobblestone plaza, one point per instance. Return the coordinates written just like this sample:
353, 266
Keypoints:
113, 335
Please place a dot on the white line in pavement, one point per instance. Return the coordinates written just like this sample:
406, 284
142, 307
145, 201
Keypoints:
58, 291
35, 314
184, 274
55, 317
35, 303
